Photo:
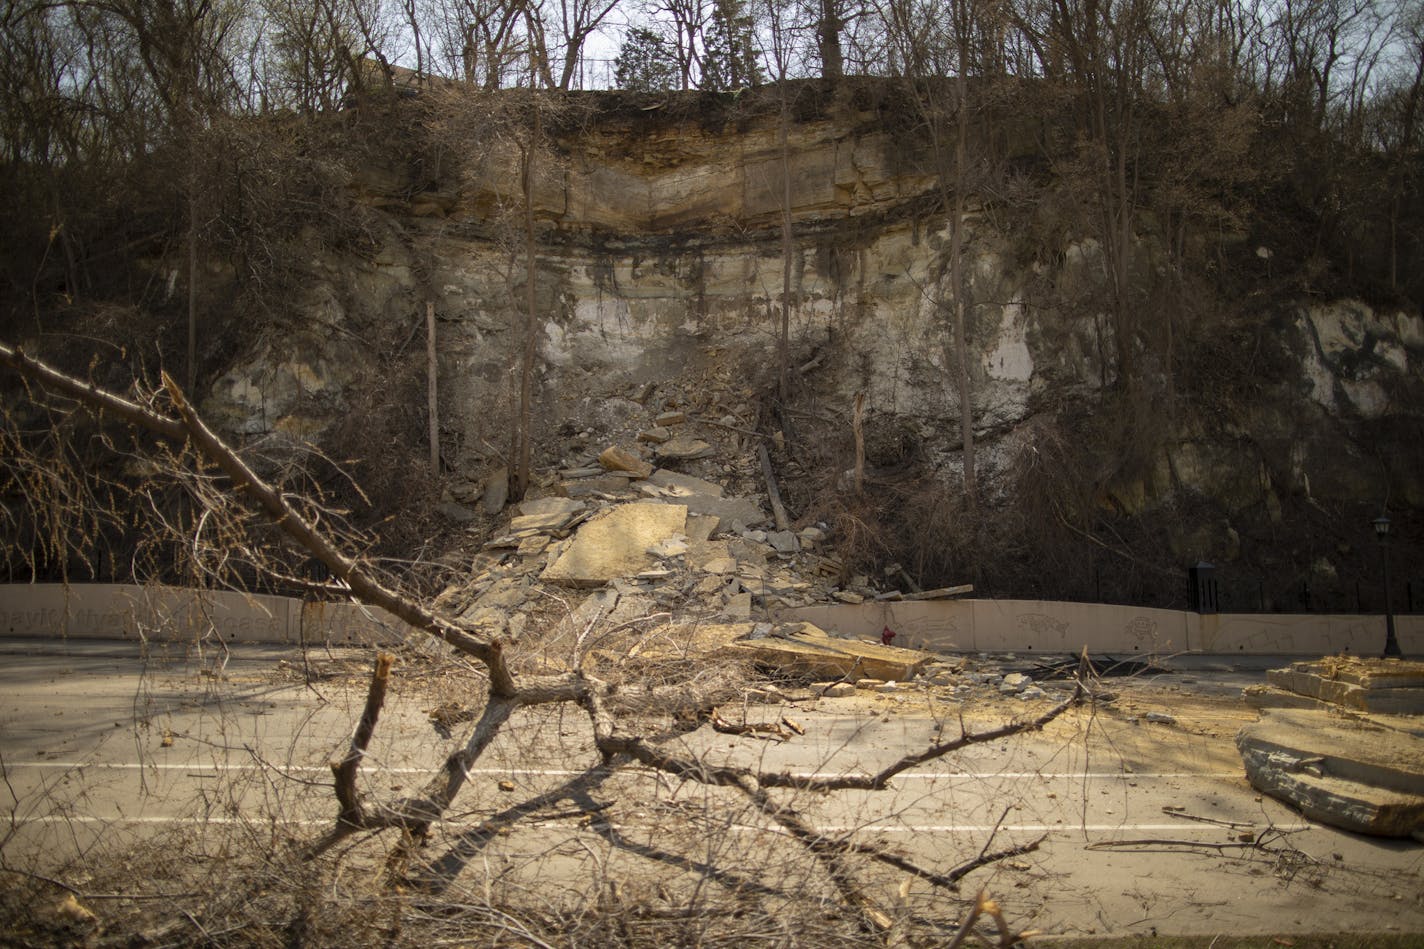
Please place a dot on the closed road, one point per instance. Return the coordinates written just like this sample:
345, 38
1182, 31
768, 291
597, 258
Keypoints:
1145, 826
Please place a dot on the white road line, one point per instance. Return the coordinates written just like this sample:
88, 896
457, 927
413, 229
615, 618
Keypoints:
826, 829
1029, 828
568, 773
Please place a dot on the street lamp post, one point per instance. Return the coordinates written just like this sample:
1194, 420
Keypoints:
1391, 645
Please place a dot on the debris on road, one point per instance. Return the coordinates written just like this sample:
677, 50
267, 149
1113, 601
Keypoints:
1368, 685
806, 649
1342, 741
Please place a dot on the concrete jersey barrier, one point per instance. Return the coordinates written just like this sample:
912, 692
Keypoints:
123, 611
118, 611
965, 625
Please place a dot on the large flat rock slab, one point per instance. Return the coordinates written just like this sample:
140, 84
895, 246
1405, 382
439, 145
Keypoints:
731, 511
1367, 673
616, 543
685, 484
1345, 773
806, 649
1393, 694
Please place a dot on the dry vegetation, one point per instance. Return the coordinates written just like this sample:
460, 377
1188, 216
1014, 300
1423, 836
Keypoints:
390, 867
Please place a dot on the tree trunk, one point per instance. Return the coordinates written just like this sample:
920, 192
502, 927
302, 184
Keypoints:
192, 366
829, 40
783, 342
520, 482
858, 428
956, 271
431, 390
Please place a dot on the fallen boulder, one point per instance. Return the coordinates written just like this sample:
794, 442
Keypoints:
1349, 774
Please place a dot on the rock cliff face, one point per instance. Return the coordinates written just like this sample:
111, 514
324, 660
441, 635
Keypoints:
659, 259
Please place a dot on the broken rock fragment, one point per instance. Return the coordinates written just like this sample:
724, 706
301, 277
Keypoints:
496, 490
617, 459
783, 542
683, 448
682, 484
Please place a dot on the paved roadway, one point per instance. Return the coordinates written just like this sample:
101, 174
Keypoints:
103, 750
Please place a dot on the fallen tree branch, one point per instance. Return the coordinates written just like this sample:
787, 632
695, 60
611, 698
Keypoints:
828, 851
778, 510
732, 775
131, 413
757, 729
1174, 844
306, 535
189, 427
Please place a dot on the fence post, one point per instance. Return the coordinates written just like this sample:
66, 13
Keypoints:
1202, 589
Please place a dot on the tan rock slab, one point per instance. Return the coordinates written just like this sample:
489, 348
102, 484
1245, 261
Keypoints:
551, 506
700, 527
1367, 673
504, 594
1369, 696
617, 459
614, 484
686, 484
719, 565
686, 640
730, 511
615, 544
806, 649
533, 546
539, 522
738, 606
1343, 772
496, 490
683, 448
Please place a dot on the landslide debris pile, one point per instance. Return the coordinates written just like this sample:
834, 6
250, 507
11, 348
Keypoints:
1342, 740
633, 550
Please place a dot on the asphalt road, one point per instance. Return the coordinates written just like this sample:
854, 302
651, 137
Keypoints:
1146, 827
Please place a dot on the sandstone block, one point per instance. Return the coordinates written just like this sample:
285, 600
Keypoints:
617, 459
616, 543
